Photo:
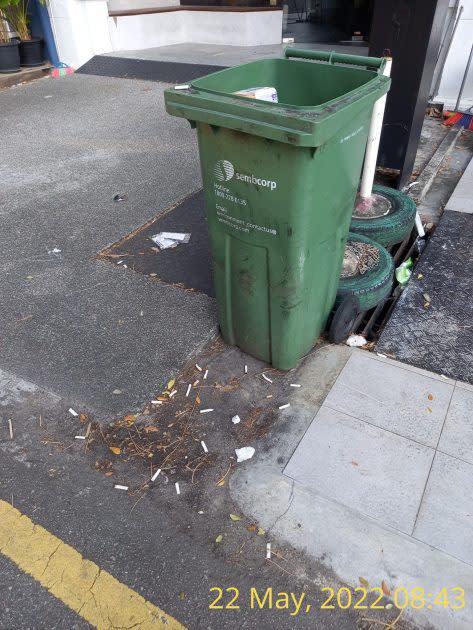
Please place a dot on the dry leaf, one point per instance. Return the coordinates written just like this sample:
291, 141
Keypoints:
130, 419
235, 517
197, 400
83, 417
388, 606
261, 531
385, 588
153, 275
171, 383
219, 538
182, 596
364, 582
221, 483
151, 429
109, 473
115, 450
430, 397
429, 409
252, 528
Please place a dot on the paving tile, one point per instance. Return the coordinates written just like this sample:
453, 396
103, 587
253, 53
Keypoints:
366, 468
392, 398
446, 514
462, 199
457, 433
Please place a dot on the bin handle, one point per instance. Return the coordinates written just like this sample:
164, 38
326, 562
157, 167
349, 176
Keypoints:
377, 63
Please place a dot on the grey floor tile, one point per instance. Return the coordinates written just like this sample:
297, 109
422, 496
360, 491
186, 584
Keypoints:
457, 434
462, 198
446, 514
391, 397
366, 468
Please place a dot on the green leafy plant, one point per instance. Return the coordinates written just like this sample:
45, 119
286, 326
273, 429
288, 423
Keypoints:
16, 13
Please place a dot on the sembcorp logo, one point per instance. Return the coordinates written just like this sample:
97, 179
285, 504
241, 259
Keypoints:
224, 171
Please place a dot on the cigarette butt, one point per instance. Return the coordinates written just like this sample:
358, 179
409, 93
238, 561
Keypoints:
295, 385
285, 406
195, 383
182, 87
189, 387
178, 490
205, 375
206, 410
125, 267
266, 378
173, 393
156, 402
117, 486
89, 427
119, 262
10, 426
73, 413
246, 369
79, 437
268, 551
154, 477
198, 367
204, 446
269, 396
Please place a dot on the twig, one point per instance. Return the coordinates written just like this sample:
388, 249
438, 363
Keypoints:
223, 478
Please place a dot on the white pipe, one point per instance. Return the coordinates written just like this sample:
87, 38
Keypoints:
419, 226
374, 136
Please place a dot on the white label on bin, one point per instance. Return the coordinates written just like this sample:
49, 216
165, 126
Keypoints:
224, 171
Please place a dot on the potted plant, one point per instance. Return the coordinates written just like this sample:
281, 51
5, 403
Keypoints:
31, 48
9, 50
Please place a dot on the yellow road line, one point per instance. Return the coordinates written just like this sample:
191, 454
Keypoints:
83, 586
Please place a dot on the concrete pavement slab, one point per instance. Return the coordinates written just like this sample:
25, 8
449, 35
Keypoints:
462, 197
366, 468
445, 515
457, 433
392, 397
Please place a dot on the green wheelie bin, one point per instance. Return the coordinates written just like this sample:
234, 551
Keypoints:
280, 180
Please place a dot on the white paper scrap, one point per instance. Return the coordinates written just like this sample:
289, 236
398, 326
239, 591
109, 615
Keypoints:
236, 419
178, 490
73, 413
204, 446
244, 453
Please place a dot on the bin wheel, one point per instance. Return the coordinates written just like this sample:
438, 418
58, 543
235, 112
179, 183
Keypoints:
374, 285
343, 319
394, 226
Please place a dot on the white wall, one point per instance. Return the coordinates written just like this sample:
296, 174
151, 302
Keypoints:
138, 32
122, 5
80, 29
455, 63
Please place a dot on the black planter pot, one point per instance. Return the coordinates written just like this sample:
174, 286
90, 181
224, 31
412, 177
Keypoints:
31, 52
9, 57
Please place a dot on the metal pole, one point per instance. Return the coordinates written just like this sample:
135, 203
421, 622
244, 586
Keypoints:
464, 78
374, 136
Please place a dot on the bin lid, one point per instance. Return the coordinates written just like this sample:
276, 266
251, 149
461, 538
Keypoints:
324, 98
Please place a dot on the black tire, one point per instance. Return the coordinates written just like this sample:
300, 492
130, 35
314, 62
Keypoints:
373, 286
395, 226
343, 319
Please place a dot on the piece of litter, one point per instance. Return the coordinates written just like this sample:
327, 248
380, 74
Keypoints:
79, 437
268, 551
266, 378
189, 387
200, 512
269, 396
294, 385
73, 413
10, 426
125, 267
184, 86
195, 383
119, 197
173, 393
155, 475
356, 341
205, 375
206, 410
54, 251
204, 446
119, 487
236, 419
167, 240
246, 369
284, 406
244, 453
119, 262
117, 391
380, 354
178, 490
141, 313
198, 367
156, 402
